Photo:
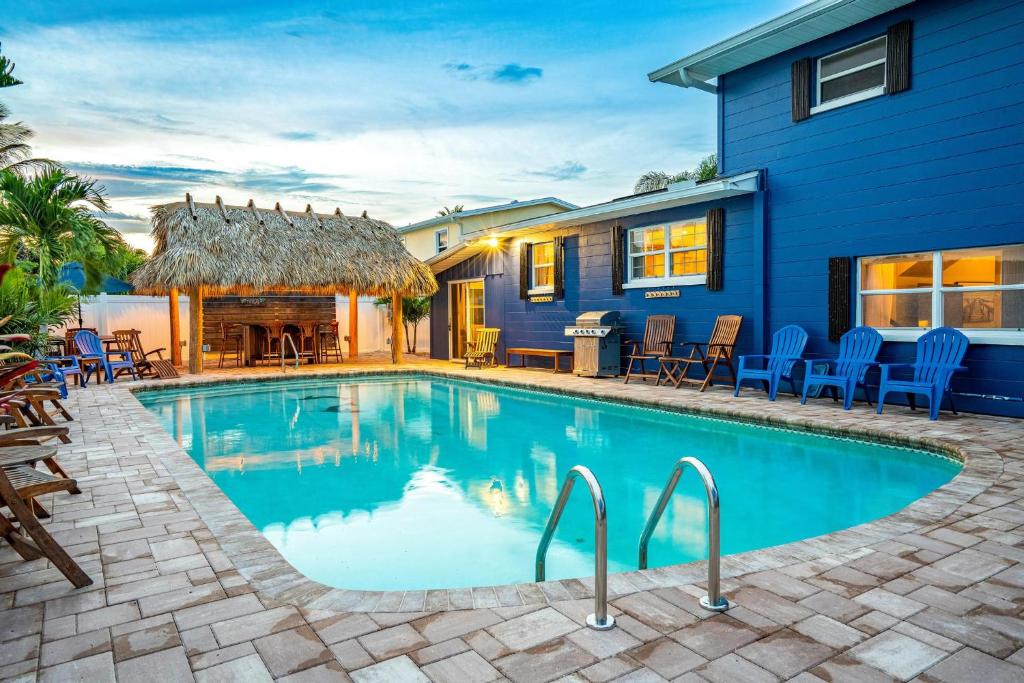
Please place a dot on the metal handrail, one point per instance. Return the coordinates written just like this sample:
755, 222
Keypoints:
287, 336
713, 600
600, 620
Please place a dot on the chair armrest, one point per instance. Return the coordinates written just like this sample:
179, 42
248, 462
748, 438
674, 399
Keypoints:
634, 346
159, 353
125, 355
668, 347
30, 435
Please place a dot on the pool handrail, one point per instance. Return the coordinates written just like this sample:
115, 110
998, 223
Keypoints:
714, 600
600, 620
287, 336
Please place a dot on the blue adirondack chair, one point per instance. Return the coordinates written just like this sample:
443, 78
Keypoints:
858, 349
90, 346
939, 354
787, 346
63, 367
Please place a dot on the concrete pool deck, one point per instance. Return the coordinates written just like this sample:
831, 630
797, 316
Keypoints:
186, 588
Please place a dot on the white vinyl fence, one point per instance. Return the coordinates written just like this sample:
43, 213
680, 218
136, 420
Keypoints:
150, 314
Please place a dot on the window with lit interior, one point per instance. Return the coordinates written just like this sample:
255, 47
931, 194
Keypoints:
978, 290
542, 267
670, 254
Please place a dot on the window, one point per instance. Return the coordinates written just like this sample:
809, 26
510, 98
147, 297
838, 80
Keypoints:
980, 291
440, 240
542, 267
673, 254
851, 75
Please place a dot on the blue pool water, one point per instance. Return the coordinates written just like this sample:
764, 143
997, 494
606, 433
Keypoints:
418, 482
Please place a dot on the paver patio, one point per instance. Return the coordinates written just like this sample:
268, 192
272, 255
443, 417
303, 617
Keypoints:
186, 589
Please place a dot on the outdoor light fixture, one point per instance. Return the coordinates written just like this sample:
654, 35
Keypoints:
492, 242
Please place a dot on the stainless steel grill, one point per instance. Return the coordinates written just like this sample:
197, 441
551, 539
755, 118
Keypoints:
597, 344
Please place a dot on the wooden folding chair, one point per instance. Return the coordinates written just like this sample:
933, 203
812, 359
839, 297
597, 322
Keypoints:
717, 351
32, 541
656, 344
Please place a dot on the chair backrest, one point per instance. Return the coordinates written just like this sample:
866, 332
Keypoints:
787, 345
658, 330
486, 339
128, 340
69, 338
938, 352
857, 348
724, 336
88, 343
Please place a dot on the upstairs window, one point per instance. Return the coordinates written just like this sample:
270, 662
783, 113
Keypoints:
542, 266
673, 254
440, 240
851, 75
979, 291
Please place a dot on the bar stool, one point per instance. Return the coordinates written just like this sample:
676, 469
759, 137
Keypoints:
230, 343
329, 347
270, 344
308, 331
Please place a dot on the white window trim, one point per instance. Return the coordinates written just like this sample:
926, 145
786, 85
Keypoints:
668, 280
852, 97
437, 242
911, 334
545, 289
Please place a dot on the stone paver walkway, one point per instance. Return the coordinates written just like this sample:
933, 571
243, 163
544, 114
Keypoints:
186, 590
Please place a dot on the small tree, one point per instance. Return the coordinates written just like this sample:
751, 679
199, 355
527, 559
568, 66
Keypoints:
414, 310
458, 208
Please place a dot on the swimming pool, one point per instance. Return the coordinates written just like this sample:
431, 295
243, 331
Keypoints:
414, 482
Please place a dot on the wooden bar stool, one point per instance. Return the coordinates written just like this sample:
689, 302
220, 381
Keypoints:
329, 342
230, 343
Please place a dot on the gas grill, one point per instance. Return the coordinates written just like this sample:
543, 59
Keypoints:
597, 340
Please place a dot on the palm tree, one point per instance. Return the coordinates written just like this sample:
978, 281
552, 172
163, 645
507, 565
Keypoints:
707, 169
458, 208
15, 153
48, 216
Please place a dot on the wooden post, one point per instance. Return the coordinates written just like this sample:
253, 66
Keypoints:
396, 328
195, 331
353, 324
175, 328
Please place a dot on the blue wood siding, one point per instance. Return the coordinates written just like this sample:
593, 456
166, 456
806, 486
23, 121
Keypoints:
588, 287
939, 166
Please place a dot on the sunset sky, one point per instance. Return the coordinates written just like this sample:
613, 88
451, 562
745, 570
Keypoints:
395, 108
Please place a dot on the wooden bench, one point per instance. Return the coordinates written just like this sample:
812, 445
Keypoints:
523, 352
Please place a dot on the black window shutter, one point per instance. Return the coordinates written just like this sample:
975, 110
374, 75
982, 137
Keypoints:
559, 267
716, 249
618, 260
524, 271
802, 89
838, 297
897, 57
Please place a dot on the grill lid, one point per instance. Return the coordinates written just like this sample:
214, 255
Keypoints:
597, 319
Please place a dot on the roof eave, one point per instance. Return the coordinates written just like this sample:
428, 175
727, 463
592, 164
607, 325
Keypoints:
741, 49
732, 186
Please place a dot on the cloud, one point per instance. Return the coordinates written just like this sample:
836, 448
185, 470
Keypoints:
143, 181
513, 73
300, 135
510, 73
568, 170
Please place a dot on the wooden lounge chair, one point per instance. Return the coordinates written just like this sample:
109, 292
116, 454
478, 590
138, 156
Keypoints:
787, 348
939, 354
482, 349
718, 350
32, 541
858, 349
131, 341
656, 344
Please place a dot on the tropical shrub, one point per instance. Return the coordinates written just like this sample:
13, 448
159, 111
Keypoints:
33, 308
414, 310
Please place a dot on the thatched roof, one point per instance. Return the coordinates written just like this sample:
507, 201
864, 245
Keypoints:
245, 250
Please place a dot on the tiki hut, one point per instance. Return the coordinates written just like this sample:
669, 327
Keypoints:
214, 249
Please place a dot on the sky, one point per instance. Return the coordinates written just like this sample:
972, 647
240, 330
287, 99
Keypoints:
395, 108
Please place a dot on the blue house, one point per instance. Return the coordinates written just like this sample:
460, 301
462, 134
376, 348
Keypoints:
869, 153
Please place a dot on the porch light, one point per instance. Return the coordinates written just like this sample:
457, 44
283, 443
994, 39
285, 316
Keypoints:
492, 242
